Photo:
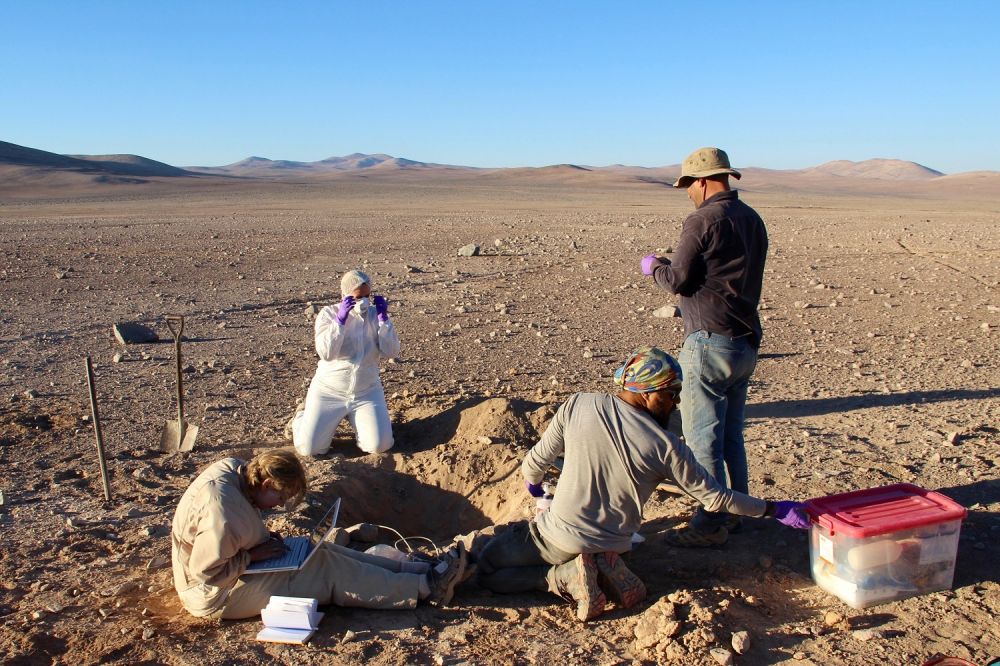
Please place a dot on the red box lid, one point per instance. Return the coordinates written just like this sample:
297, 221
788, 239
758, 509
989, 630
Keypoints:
865, 513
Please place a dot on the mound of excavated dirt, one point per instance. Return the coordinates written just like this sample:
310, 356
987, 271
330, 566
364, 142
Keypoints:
461, 475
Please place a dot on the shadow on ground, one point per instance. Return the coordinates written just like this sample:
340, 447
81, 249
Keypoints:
796, 408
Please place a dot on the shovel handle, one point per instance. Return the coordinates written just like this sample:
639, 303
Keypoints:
175, 324
178, 322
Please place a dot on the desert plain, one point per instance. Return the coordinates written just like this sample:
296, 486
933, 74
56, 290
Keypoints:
878, 365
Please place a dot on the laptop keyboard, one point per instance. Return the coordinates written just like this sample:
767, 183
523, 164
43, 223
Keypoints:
297, 551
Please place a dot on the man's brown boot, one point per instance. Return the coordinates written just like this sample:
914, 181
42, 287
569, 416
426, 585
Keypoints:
617, 580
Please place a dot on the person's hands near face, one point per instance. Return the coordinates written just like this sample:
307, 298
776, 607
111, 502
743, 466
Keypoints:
382, 307
345, 309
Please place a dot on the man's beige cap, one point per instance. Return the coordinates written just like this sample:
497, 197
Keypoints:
705, 162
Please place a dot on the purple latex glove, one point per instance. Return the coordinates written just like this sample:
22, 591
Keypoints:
535, 489
345, 309
792, 514
648, 263
382, 307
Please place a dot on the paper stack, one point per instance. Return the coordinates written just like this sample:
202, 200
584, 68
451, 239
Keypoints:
289, 620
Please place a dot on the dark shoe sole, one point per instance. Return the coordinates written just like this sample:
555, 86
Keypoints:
688, 537
592, 601
618, 582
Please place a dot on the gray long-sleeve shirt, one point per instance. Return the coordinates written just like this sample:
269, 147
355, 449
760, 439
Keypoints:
614, 457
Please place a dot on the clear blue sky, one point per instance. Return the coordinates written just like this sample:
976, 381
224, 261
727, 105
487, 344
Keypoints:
777, 84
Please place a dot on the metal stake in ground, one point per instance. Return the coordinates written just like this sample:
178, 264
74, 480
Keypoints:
178, 435
97, 431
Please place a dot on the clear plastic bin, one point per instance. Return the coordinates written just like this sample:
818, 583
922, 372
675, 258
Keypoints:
882, 544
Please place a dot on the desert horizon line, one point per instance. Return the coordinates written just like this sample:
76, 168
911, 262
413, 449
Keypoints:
376, 158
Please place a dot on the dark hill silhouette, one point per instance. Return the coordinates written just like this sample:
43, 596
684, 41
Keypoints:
12, 154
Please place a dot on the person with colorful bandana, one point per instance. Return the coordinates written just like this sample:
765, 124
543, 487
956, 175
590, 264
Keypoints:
615, 450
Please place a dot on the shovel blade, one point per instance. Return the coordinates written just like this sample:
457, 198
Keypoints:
170, 438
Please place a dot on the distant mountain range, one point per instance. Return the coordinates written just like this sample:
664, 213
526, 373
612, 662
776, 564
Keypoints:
263, 167
29, 166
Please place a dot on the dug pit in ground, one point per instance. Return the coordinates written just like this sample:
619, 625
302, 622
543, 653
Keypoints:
452, 472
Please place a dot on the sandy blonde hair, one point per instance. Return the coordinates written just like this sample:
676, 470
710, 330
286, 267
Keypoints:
283, 468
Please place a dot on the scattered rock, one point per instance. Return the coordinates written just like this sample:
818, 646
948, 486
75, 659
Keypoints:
470, 250
363, 533
117, 358
133, 333
741, 641
147, 633
657, 624
722, 656
340, 536
157, 562
120, 589
667, 311
31, 394
952, 437
348, 636
863, 635
832, 618
311, 311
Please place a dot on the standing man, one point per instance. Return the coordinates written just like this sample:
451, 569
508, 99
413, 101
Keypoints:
717, 271
616, 450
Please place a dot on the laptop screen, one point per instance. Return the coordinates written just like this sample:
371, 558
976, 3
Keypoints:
325, 524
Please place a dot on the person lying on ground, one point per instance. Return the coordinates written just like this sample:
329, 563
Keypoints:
616, 450
217, 532
351, 339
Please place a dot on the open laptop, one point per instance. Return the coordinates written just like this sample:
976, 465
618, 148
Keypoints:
300, 548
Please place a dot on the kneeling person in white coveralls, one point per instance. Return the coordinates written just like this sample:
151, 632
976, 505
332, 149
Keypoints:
351, 339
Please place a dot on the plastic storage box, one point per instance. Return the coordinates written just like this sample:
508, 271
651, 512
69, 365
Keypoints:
872, 546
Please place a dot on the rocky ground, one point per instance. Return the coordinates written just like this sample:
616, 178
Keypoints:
878, 365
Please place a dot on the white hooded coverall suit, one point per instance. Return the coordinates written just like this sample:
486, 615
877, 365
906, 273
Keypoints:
347, 383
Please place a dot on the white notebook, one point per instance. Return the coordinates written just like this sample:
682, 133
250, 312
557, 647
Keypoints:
289, 620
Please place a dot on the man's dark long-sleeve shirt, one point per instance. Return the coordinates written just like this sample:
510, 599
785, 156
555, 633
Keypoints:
718, 268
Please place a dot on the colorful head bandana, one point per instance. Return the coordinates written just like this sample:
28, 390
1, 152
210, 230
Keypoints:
649, 369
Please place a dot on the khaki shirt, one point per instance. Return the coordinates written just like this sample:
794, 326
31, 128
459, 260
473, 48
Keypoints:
214, 527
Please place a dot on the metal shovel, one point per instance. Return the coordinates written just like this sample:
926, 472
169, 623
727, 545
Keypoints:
178, 435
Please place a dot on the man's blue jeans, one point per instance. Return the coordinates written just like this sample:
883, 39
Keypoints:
717, 371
